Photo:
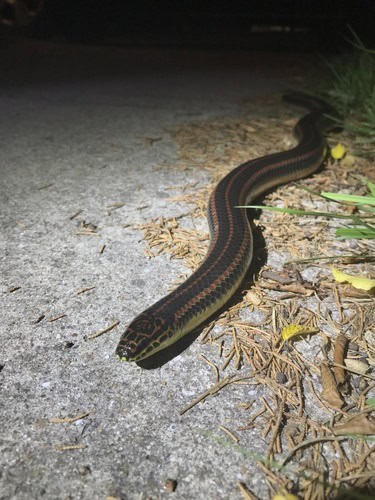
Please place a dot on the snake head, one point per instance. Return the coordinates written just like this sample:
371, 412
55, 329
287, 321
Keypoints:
145, 335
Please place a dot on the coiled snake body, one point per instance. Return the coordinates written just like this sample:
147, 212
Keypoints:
231, 248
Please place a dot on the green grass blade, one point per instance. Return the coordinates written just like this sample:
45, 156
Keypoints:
295, 211
308, 190
365, 208
367, 200
357, 42
357, 221
355, 233
371, 187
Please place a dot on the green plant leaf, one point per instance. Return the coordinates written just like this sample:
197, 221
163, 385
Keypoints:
355, 233
367, 200
295, 211
371, 187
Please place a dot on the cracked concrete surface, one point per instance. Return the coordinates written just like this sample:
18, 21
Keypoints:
74, 125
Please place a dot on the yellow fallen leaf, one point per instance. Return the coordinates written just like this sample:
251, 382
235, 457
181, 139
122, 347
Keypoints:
293, 330
338, 152
360, 282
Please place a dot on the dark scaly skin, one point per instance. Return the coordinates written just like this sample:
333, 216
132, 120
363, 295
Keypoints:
231, 248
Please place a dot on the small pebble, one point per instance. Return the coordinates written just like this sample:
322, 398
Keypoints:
68, 344
281, 378
170, 485
85, 470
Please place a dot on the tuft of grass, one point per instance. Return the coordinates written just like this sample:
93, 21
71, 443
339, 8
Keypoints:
353, 92
360, 226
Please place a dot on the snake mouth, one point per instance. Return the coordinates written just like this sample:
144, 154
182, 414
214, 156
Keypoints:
124, 352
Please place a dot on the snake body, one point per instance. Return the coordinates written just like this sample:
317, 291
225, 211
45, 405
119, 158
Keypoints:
231, 248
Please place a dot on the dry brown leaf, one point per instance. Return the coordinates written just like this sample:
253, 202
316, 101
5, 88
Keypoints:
330, 393
362, 424
278, 276
294, 288
341, 344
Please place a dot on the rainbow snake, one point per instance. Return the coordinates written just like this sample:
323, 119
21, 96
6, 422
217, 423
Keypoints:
231, 247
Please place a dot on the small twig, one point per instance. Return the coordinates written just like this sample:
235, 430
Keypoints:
369, 474
268, 472
68, 420
45, 186
216, 369
309, 442
105, 330
276, 427
83, 290
299, 395
364, 457
258, 414
114, 206
229, 359
207, 332
283, 358
87, 232
246, 406
64, 447
213, 390
75, 215
247, 495
230, 433
55, 318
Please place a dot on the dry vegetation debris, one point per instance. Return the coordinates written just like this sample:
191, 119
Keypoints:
316, 411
